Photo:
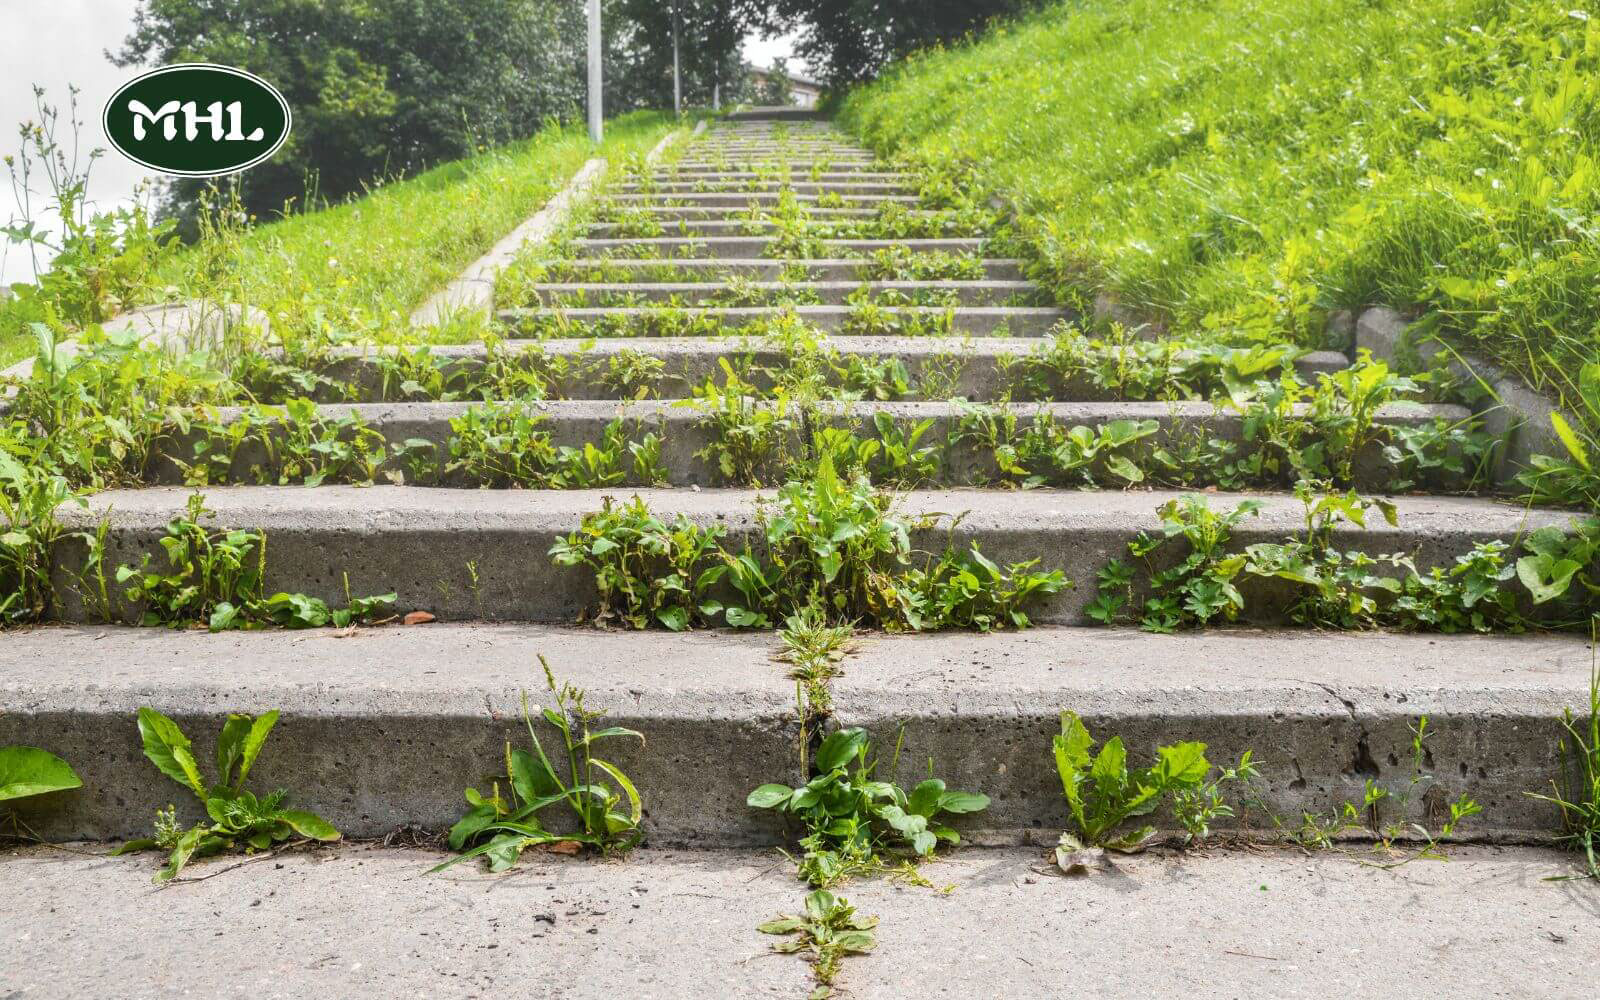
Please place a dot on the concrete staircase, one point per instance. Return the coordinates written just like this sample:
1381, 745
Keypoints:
385, 726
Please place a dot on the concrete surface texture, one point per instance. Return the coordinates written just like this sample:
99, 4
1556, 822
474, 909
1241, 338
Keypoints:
358, 922
385, 727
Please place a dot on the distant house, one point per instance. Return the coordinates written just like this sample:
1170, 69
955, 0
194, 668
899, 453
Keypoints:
806, 92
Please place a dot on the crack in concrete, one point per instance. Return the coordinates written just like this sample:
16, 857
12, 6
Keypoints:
1349, 705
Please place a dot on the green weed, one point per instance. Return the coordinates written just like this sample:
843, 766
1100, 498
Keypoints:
602, 801
1103, 793
853, 820
215, 577
238, 817
828, 930
1576, 793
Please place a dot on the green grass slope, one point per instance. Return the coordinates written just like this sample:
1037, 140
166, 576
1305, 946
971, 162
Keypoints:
1249, 165
358, 268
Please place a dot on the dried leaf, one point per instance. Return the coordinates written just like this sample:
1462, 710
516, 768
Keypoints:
417, 618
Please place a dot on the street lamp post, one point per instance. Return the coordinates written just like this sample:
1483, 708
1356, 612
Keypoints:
677, 85
596, 109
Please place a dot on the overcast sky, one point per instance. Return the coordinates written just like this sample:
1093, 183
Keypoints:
54, 43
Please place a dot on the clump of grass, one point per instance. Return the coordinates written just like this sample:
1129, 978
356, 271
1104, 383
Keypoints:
1577, 792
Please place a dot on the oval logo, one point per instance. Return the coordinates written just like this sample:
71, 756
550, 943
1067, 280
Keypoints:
197, 120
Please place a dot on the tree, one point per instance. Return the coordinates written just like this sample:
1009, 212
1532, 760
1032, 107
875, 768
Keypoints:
639, 51
776, 91
847, 41
378, 87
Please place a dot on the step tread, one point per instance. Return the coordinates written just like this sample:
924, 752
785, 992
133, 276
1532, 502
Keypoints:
386, 509
799, 310
676, 924
1404, 412
682, 924
798, 286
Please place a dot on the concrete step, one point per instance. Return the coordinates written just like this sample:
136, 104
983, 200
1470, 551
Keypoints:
761, 268
695, 293
975, 321
778, 144
725, 247
983, 368
773, 113
481, 554
742, 199
739, 225
769, 161
668, 214
818, 145
768, 186
385, 728
959, 460
676, 173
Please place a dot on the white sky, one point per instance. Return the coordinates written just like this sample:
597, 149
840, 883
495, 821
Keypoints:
54, 43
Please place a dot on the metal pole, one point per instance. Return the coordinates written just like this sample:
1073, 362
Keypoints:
596, 108
677, 80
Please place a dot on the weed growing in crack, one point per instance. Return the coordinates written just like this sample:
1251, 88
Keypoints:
828, 930
855, 822
825, 544
1320, 831
215, 577
813, 649
29, 499
647, 571
238, 816
1330, 586
1103, 793
604, 806
1576, 792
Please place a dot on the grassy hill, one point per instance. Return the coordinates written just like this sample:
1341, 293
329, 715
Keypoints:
358, 268
1246, 166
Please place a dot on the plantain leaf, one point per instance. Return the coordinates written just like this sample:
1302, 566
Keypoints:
26, 771
169, 750
253, 742
309, 824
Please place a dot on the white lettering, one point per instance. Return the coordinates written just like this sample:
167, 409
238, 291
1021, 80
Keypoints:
166, 117
192, 121
236, 125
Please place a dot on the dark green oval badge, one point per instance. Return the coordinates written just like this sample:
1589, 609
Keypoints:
197, 120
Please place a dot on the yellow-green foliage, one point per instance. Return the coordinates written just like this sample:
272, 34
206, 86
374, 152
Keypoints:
359, 268
1248, 165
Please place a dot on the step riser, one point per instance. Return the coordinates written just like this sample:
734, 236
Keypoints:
974, 321
683, 434
797, 164
482, 555
796, 175
756, 246
667, 215
835, 293
786, 150
766, 188
440, 703
982, 369
684, 227
625, 269
692, 199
